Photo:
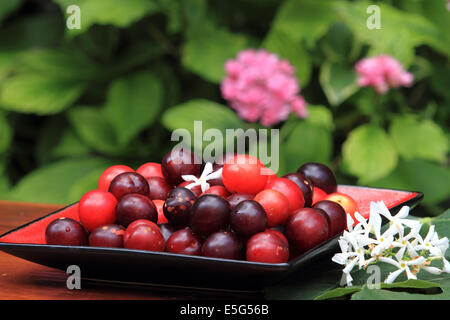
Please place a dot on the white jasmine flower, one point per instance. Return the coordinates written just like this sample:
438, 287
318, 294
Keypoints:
402, 265
397, 222
432, 243
403, 242
206, 175
346, 279
391, 246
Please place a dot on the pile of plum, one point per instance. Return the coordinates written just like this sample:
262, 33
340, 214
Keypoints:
242, 210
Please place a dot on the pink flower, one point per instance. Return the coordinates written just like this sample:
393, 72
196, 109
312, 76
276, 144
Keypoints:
262, 87
382, 72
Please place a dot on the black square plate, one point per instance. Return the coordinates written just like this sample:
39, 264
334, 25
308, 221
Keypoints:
167, 269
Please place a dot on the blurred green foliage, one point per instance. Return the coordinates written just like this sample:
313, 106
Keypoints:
73, 102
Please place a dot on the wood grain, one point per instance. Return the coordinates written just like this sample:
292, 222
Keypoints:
24, 280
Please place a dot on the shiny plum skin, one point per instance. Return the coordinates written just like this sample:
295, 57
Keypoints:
306, 228
336, 215
127, 183
217, 165
97, 208
218, 190
237, 198
197, 190
276, 206
210, 213
304, 184
290, 190
184, 241
248, 218
144, 237
65, 232
222, 244
178, 206
267, 247
320, 175
133, 207
318, 195
180, 162
110, 235
150, 169
109, 174
243, 174
159, 188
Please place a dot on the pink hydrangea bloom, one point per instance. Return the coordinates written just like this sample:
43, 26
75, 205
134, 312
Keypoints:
382, 72
262, 87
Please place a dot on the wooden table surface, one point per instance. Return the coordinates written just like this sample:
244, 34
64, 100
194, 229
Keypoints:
24, 280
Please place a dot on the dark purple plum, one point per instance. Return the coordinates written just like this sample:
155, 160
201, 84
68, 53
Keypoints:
237, 198
110, 235
210, 213
159, 188
320, 175
248, 218
304, 184
66, 232
133, 207
222, 244
127, 183
306, 228
178, 206
336, 215
180, 162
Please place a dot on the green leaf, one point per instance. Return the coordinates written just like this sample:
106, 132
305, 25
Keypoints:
65, 63
305, 20
92, 126
440, 79
212, 114
31, 31
338, 44
84, 184
58, 140
411, 285
306, 143
293, 51
133, 104
383, 294
52, 183
418, 139
321, 116
208, 47
338, 293
414, 29
118, 13
338, 82
369, 153
7, 6
34, 93
419, 175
